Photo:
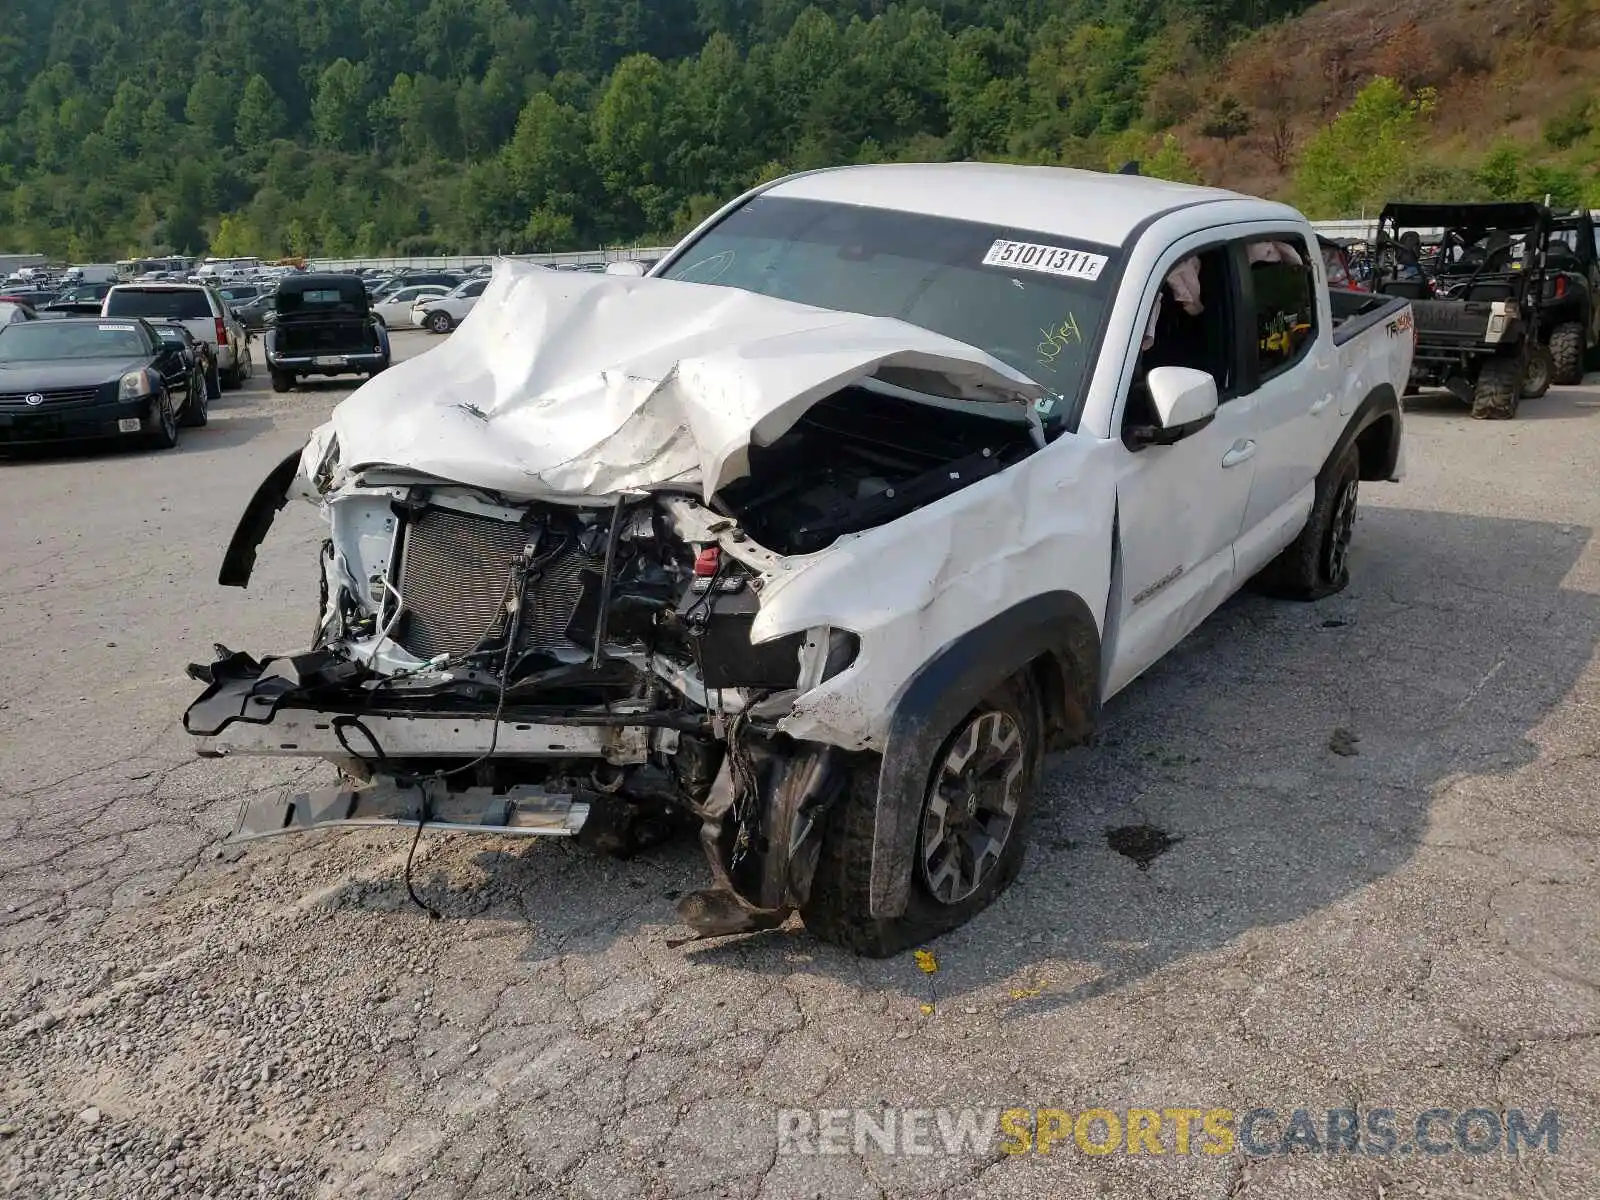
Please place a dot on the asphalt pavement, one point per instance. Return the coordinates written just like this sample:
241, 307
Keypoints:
1327, 856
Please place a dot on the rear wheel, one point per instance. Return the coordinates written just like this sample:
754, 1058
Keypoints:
213, 381
1566, 353
1495, 395
971, 832
282, 381
1317, 563
1540, 369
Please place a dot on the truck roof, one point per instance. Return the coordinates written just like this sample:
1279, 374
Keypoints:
1089, 205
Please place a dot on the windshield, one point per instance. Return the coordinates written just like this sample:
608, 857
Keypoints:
170, 305
1035, 301
43, 341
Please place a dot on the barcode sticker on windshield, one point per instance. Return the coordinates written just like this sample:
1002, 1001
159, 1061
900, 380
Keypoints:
1051, 260
116, 329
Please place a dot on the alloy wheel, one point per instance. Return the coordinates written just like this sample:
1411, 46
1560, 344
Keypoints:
1342, 531
972, 805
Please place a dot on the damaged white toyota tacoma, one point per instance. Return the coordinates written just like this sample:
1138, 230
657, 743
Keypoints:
821, 536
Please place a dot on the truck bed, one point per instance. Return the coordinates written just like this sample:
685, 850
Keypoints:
1354, 312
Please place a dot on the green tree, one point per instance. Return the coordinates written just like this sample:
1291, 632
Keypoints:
627, 141
339, 112
212, 107
1171, 163
1500, 173
236, 237
1227, 119
1353, 163
548, 156
261, 116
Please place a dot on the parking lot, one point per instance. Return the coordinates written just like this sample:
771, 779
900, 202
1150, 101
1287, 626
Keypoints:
1366, 878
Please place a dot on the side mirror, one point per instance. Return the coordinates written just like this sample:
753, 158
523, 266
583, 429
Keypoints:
634, 269
1185, 402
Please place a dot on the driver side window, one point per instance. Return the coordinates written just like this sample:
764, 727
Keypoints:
1190, 325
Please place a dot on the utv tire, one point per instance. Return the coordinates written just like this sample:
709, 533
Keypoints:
998, 748
1566, 353
1317, 563
1495, 395
282, 381
1536, 377
165, 435
196, 404
440, 322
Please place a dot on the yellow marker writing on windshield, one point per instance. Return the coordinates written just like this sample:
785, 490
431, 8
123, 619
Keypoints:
1058, 338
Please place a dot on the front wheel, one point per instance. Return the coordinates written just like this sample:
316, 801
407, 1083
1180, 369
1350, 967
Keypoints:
1540, 370
196, 408
971, 832
440, 322
1317, 563
165, 435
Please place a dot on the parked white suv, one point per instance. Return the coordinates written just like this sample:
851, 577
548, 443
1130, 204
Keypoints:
394, 309
199, 309
441, 314
823, 535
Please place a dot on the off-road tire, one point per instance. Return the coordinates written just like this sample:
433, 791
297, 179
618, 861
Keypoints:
838, 908
282, 381
1499, 386
1316, 564
196, 405
165, 435
1538, 373
1566, 353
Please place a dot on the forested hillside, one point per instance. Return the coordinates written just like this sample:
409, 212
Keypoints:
395, 126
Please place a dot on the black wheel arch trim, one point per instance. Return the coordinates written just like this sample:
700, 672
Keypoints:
1055, 629
240, 559
1380, 403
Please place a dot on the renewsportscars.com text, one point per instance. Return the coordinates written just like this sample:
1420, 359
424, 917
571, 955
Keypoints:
1259, 1132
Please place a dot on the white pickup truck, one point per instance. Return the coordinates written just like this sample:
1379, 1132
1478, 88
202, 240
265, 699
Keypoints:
821, 536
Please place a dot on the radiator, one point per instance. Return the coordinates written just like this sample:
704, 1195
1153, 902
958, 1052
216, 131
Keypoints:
454, 574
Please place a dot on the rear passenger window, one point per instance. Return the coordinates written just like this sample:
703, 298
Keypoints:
160, 305
1283, 287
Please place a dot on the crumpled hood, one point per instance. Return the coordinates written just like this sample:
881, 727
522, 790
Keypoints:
569, 384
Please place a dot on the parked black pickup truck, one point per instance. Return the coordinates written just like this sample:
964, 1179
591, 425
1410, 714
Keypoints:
323, 325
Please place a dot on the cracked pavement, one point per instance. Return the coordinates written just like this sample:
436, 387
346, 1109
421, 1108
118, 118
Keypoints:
1401, 915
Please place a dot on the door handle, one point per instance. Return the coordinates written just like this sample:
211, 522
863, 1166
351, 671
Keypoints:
1322, 404
1241, 452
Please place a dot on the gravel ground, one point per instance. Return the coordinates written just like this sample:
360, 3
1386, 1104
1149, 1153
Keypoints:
1381, 892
